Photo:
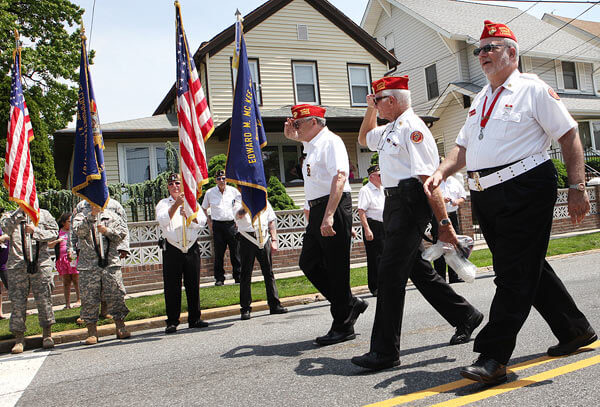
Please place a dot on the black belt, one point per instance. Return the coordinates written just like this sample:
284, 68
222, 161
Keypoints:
223, 221
315, 202
487, 171
403, 186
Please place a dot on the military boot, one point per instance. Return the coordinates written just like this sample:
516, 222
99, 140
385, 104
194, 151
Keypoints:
47, 341
19, 343
122, 332
92, 338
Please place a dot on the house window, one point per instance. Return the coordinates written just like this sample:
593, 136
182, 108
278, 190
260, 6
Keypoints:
359, 79
432, 82
569, 75
141, 162
254, 71
282, 162
305, 82
388, 43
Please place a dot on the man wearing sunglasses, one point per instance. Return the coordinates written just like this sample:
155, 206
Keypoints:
179, 260
503, 144
325, 256
407, 156
221, 199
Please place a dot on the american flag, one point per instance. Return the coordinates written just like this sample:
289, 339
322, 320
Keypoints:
195, 123
18, 172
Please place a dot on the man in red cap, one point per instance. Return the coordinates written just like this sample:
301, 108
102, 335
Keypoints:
325, 256
503, 144
407, 156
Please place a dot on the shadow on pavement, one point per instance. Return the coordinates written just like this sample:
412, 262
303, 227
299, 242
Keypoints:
284, 349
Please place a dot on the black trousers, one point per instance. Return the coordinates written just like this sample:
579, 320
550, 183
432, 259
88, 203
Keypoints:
326, 260
248, 252
440, 264
405, 217
176, 265
373, 248
516, 218
224, 234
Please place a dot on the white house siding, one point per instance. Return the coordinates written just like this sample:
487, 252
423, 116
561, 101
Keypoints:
544, 68
477, 76
463, 56
416, 46
452, 117
275, 43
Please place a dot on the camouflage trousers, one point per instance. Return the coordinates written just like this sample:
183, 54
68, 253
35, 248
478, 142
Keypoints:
102, 284
19, 283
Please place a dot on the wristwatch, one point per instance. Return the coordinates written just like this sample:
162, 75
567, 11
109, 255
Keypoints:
580, 186
445, 222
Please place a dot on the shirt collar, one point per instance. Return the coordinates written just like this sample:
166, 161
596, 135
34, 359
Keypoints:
316, 138
510, 84
372, 186
403, 117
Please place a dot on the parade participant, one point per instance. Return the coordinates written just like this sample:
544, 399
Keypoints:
252, 247
407, 156
221, 199
503, 143
180, 259
100, 270
24, 272
370, 212
64, 257
454, 195
325, 256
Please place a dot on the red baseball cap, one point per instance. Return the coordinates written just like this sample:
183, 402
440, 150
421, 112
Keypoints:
390, 82
496, 30
306, 110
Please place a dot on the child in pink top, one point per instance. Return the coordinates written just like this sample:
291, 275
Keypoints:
66, 261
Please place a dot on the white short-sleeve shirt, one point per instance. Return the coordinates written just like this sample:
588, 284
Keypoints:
371, 200
453, 189
221, 204
172, 227
325, 155
406, 149
245, 225
527, 116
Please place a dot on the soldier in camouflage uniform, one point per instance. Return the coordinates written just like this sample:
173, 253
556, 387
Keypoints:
20, 280
123, 247
96, 280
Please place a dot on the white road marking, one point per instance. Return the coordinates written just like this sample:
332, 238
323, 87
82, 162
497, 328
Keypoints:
16, 373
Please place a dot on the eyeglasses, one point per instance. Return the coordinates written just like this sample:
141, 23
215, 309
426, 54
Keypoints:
220, 178
174, 183
487, 49
378, 99
298, 122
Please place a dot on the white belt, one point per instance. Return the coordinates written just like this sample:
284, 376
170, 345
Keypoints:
478, 183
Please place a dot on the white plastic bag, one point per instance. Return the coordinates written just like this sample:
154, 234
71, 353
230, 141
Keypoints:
455, 258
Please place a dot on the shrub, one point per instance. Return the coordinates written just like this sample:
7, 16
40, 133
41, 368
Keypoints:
594, 163
278, 196
563, 181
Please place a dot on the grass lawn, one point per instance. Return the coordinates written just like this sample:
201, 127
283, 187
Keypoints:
213, 297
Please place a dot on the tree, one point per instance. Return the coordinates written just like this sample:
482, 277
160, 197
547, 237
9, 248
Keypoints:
278, 196
50, 59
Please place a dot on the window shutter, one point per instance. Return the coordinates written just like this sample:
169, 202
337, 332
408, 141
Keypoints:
584, 83
560, 81
526, 61
302, 32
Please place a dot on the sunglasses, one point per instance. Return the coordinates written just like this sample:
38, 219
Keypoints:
220, 178
487, 49
297, 123
378, 99
174, 183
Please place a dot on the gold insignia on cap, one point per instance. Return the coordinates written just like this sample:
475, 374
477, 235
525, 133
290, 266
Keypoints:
305, 111
295, 114
492, 31
380, 85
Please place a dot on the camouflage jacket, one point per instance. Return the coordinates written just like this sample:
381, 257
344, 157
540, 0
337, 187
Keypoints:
82, 225
45, 231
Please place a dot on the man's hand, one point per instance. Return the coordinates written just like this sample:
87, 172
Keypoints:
432, 183
371, 101
446, 200
578, 205
369, 235
241, 213
327, 227
448, 235
29, 228
102, 229
4, 238
123, 254
289, 131
209, 223
274, 246
180, 199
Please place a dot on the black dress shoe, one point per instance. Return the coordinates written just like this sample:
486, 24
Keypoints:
458, 280
567, 348
334, 337
464, 331
358, 308
485, 370
375, 361
198, 324
219, 283
279, 310
245, 315
171, 329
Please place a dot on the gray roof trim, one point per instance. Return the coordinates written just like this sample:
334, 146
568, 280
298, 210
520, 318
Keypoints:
466, 88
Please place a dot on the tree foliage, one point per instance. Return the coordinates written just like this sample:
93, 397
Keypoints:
561, 170
278, 196
50, 58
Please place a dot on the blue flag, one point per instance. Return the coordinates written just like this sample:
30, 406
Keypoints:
247, 137
89, 177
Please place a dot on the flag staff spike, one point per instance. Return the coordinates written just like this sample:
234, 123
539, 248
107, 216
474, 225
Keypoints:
238, 15
83, 37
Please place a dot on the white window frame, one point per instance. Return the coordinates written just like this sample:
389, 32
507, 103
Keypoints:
254, 72
121, 148
313, 65
589, 122
577, 78
367, 70
429, 97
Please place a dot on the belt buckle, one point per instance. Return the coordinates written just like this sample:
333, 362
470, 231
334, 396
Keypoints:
476, 178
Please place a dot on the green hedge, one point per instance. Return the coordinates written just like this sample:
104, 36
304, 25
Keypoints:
563, 181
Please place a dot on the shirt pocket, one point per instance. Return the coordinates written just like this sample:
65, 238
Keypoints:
504, 125
390, 144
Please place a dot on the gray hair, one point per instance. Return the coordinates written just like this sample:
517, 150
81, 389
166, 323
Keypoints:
512, 44
320, 120
401, 95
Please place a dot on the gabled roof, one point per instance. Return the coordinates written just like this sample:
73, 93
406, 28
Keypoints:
260, 14
152, 124
462, 20
592, 28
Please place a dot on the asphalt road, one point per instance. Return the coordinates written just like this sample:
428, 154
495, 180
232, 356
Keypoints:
272, 361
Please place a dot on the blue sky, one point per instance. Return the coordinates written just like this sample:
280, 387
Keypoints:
135, 46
